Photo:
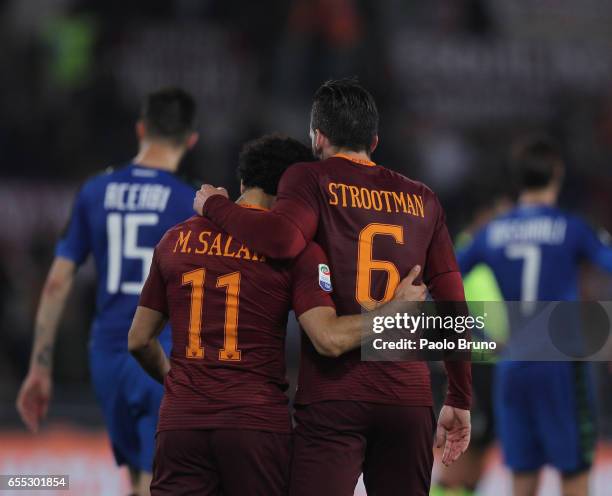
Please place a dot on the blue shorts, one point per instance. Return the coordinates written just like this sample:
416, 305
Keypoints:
130, 401
544, 414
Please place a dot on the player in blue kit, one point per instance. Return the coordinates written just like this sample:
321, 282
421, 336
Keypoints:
118, 217
544, 410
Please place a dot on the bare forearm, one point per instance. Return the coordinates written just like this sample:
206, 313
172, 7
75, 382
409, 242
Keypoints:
144, 345
153, 360
53, 300
332, 335
351, 331
343, 334
45, 330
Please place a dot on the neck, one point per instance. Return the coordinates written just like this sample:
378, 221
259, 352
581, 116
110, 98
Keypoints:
159, 156
546, 196
333, 150
256, 197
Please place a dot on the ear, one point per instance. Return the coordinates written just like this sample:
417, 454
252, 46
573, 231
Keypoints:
141, 129
374, 144
321, 141
192, 140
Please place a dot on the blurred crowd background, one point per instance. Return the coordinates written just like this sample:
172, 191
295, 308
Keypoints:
456, 81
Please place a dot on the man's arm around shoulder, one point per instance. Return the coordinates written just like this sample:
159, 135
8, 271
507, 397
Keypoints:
282, 232
333, 336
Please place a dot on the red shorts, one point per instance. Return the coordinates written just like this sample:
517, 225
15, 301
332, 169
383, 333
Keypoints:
221, 463
335, 441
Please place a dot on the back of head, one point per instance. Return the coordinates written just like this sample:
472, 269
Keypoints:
537, 163
263, 161
345, 112
168, 115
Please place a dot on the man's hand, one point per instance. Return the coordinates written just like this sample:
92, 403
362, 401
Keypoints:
453, 432
34, 397
205, 192
407, 290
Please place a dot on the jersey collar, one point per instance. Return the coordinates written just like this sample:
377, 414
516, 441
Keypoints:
360, 161
253, 207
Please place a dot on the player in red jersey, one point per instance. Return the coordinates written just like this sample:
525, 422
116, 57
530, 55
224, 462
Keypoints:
224, 422
374, 224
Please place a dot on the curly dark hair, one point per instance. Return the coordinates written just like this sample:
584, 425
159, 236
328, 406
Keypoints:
263, 160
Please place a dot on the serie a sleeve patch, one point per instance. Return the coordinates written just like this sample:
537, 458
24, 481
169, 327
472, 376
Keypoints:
325, 278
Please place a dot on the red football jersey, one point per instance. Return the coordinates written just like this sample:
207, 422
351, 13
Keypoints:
228, 309
374, 225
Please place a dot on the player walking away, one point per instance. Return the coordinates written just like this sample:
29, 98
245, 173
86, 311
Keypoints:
225, 426
118, 216
374, 224
544, 411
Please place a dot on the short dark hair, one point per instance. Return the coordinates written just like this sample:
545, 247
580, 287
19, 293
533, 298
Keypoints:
346, 113
169, 114
536, 162
263, 161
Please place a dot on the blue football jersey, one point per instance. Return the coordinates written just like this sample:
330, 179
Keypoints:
119, 216
543, 410
535, 251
